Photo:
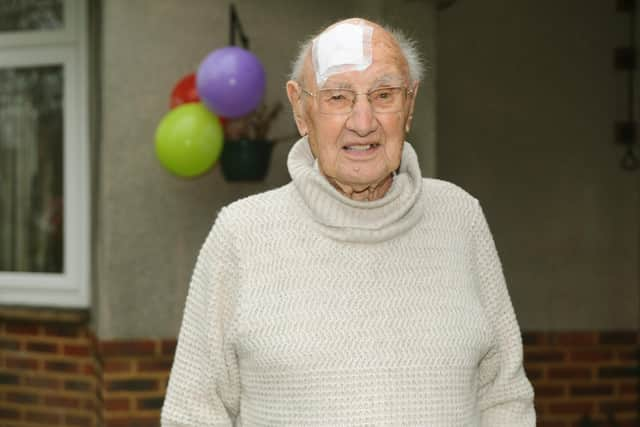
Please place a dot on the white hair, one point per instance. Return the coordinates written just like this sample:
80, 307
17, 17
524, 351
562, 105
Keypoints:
408, 47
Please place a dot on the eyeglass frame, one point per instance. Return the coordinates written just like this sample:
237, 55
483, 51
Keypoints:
407, 92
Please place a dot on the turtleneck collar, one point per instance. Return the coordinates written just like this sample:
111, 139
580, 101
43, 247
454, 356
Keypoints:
344, 219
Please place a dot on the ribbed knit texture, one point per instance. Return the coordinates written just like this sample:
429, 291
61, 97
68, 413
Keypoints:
307, 308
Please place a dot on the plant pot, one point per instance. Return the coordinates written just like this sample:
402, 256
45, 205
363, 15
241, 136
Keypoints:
246, 160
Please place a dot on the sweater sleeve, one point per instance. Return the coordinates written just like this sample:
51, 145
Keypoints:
505, 395
204, 384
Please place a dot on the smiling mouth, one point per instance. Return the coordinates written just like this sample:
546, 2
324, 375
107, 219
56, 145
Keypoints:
362, 147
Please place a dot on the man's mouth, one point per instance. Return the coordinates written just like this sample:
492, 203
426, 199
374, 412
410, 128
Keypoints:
360, 147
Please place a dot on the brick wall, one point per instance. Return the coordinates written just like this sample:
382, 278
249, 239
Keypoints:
57, 374
585, 374
47, 374
135, 375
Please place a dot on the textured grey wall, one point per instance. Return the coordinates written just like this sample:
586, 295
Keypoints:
527, 101
149, 224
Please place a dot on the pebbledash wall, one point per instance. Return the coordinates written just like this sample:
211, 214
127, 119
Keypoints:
567, 235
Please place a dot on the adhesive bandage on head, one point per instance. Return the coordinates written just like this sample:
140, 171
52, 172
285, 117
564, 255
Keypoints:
343, 47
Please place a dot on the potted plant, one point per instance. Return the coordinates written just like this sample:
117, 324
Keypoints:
247, 149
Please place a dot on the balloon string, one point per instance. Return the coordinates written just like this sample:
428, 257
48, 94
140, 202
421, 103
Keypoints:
236, 27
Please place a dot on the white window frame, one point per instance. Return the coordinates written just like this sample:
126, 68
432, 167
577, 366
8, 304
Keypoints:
73, 11
68, 48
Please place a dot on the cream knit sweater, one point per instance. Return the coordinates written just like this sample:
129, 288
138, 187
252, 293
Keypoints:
307, 308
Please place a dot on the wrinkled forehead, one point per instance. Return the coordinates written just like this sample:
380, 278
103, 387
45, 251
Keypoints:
354, 45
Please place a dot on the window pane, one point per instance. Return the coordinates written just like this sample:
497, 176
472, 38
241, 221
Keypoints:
30, 15
31, 169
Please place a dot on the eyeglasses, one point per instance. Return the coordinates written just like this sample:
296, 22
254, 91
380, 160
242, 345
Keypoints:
341, 101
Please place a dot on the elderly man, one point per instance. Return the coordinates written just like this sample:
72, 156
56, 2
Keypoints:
359, 293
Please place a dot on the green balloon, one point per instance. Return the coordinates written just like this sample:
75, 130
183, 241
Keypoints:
189, 140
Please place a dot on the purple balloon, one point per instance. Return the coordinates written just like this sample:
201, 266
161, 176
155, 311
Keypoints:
231, 81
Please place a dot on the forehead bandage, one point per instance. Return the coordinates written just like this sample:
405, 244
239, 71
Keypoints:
343, 47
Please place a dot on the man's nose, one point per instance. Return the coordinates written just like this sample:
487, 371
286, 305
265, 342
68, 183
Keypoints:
362, 119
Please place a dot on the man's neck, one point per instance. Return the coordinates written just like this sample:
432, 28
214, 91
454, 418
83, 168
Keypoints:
363, 192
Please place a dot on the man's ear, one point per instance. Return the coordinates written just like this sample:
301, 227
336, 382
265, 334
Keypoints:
294, 93
414, 93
